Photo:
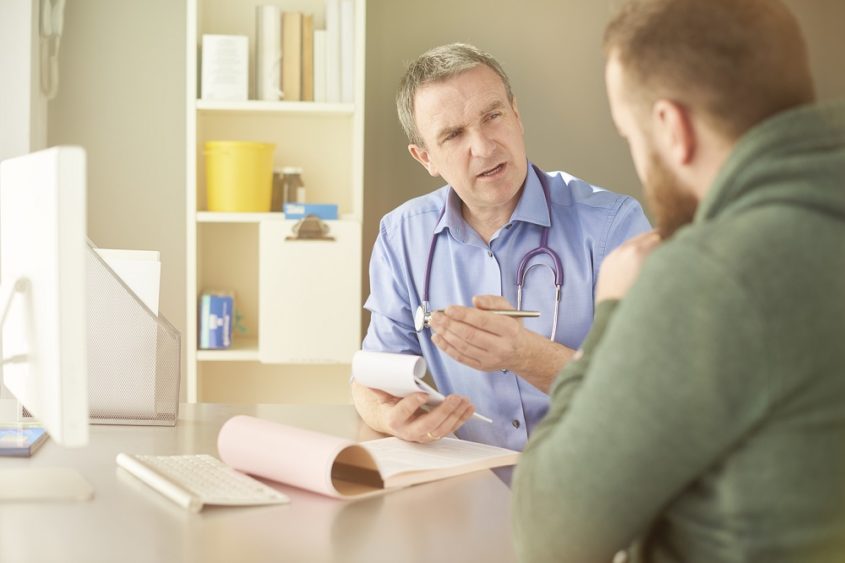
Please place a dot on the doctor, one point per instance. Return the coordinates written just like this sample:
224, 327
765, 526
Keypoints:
464, 248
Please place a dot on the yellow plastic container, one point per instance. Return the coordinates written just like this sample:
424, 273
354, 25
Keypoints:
239, 175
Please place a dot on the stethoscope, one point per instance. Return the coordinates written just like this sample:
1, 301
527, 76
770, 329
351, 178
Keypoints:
423, 312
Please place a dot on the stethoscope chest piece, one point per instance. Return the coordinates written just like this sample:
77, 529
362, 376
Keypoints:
422, 318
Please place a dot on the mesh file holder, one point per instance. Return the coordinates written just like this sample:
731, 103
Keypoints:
134, 356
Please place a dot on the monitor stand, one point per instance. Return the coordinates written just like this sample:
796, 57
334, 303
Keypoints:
28, 483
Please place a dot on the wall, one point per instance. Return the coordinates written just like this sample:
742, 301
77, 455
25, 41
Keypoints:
121, 96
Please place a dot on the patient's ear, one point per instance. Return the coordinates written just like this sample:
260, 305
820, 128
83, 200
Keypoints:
675, 131
421, 155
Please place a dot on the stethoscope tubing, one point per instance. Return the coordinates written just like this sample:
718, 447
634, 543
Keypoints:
424, 310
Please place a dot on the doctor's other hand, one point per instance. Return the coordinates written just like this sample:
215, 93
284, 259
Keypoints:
622, 267
482, 340
405, 418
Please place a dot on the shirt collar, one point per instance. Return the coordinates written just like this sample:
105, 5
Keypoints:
531, 207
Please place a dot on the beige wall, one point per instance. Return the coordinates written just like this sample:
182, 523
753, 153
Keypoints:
123, 86
122, 97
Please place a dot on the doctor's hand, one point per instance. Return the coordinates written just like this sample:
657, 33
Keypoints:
622, 267
482, 340
489, 342
405, 418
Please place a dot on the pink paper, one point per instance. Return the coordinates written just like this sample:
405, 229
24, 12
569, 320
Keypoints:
290, 455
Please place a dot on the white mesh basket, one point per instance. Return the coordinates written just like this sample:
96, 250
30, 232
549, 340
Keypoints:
134, 356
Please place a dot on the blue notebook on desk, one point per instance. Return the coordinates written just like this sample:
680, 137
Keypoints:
20, 442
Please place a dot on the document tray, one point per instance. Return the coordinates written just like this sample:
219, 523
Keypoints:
134, 357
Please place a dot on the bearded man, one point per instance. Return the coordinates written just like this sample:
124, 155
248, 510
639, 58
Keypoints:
703, 418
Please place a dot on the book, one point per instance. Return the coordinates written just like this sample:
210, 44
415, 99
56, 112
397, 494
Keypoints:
307, 57
319, 65
333, 51
21, 441
268, 52
292, 56
216, 316
340, 468
225, 67
347, 51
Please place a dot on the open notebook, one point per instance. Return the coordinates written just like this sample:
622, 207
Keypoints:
341, 468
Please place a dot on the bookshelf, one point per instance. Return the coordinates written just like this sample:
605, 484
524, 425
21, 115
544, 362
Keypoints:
224, 250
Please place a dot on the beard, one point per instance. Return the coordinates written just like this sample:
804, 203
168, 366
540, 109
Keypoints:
672, 202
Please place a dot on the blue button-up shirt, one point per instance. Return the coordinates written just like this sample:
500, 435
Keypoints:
584, 222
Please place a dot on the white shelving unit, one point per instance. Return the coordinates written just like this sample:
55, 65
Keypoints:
325, 139
257, 106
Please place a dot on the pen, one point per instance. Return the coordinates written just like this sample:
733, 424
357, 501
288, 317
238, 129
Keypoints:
474, 415
504, 312
438, 397
482, 417
426, 317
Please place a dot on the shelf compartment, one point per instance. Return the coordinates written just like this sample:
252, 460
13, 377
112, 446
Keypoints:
322, 146
242, 350
220, 217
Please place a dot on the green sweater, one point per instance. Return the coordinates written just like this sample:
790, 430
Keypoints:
705, 421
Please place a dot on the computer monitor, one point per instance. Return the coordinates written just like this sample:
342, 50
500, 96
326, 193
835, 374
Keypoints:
42, 290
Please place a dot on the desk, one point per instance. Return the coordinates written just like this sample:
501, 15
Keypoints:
466, 518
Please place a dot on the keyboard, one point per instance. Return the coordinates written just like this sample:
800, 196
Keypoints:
193, 481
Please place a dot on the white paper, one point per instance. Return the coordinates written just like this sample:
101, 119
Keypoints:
139, 269
396, 374
225, 67
394, 456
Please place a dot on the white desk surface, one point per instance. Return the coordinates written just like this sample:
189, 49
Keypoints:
466, 518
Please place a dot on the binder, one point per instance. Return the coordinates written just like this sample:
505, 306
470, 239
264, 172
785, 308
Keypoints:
292, 56
268, 52
347, 51
310, 308
333, 51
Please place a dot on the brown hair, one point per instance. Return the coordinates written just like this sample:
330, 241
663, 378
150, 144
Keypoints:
438, 64
736, 61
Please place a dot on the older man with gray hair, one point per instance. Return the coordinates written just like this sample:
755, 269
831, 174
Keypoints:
463, 250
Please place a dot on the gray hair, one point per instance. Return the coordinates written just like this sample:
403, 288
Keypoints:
435, 65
